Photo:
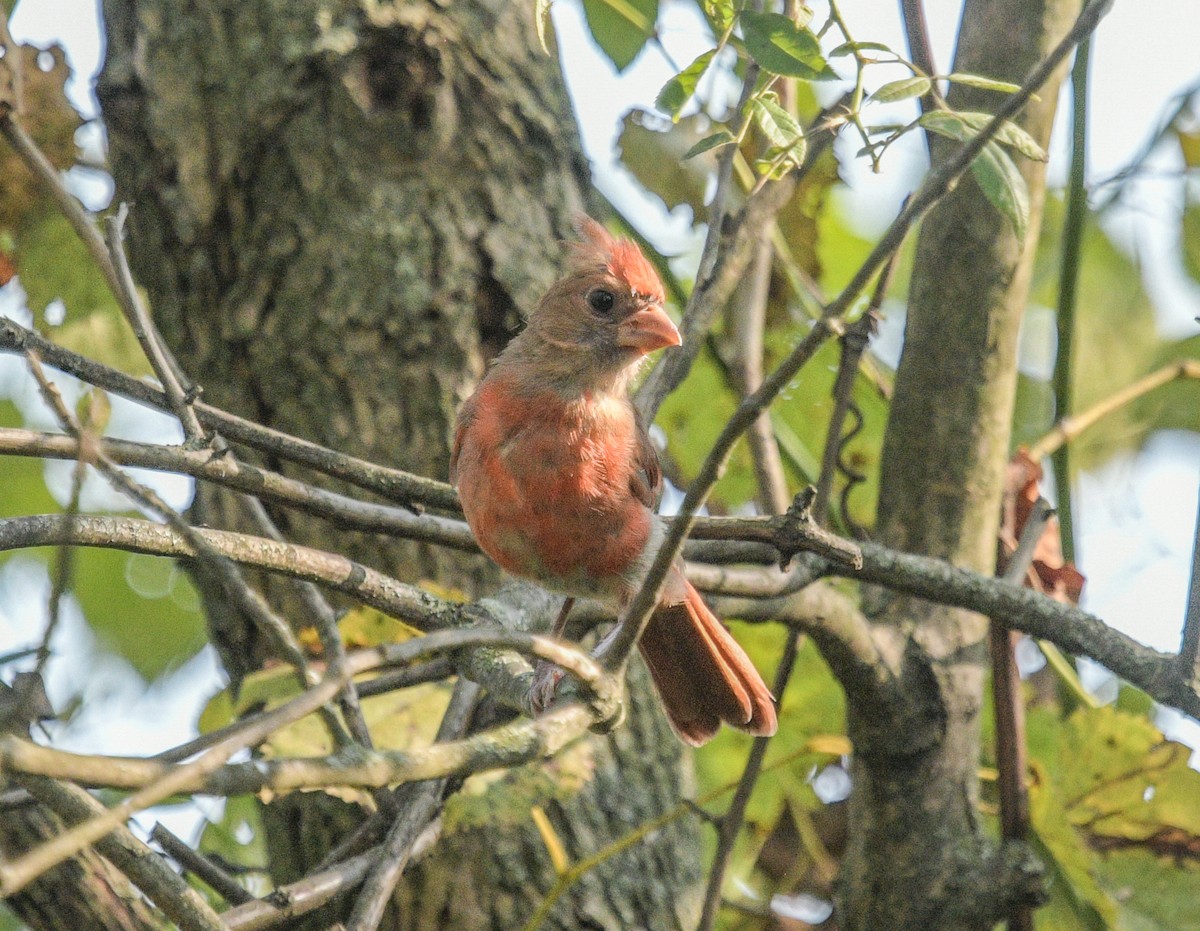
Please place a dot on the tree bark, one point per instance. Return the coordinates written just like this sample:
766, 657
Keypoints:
339, 212
917, 857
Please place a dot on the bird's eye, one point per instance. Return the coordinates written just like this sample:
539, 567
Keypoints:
601, 301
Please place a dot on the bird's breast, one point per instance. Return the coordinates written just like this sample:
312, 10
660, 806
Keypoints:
545, 486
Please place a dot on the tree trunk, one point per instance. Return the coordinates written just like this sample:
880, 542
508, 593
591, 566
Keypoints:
339, 211
917, 857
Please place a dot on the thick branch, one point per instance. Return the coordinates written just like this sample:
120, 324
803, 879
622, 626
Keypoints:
1068, 627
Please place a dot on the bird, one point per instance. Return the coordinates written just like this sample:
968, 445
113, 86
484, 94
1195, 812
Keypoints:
558, 480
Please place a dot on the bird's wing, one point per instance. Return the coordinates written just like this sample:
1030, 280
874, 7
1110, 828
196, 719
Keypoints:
646, 480
465, 417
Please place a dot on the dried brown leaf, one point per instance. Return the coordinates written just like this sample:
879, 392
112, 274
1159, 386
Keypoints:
1050, 573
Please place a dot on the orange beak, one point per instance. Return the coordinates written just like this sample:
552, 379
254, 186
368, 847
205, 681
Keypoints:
647, 330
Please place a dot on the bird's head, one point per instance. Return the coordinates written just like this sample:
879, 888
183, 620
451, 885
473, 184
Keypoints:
606, 314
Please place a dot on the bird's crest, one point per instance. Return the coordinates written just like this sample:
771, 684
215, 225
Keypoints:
621, 258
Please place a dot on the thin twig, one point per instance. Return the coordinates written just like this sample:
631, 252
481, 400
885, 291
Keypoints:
110, 257
498, 748
916, 31
226, 572
393, 484
147, 335
1068, 291
1070, 427
200, 866
748, 325
299, 898
322, 615
580, 868
731, 822
226, 470
854, 343
76, 215
1189, 649
724, 263
15, 874
66, 561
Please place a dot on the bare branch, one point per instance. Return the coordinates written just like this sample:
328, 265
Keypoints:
230, 472
1189, 650
147, 336
393, 484
200, 866
749, 321
76, 215
1068, 627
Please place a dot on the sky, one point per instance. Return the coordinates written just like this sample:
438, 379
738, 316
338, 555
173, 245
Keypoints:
1137, 514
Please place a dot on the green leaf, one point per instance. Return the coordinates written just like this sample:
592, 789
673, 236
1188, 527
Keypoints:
621, 27
55, 265
987, 84
963, 126
1155, 893
1174, 406
679, 90
849, 48
720, 14
779, 126
1004, 186
1128, 784
719, 138
903, 89
781, 47
1189, 239
997, 176
1189, 146
1114, 804
782, 131
658, 158
124, 596
545, 26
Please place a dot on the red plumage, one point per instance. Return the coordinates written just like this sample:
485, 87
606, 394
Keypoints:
558, 478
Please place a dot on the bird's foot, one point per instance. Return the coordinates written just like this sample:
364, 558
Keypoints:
546, 677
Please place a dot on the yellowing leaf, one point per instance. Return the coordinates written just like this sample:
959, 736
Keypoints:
51, 121
367, 627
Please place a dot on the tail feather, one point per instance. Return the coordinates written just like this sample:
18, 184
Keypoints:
702, 675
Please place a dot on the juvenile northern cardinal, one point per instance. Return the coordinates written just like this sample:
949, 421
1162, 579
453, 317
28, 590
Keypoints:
558, 479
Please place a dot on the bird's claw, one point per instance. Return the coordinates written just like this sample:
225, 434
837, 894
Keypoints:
546, 677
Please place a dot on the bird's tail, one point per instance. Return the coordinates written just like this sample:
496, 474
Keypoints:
702, 676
